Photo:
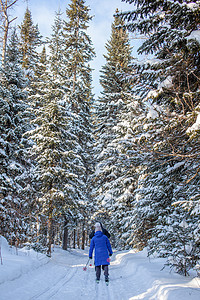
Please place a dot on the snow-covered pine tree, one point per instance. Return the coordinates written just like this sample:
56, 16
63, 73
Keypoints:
35, 93
30, 39
78, 52
114, 175
56, 47
57, 165
133, 162
15, 207
57, 64
152, 194
52, 93
177, 239
41, 64
32, 61
166, 180
168, 26
173, 39
36, 65
172, 28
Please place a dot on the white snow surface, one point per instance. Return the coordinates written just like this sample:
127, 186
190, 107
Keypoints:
195, 126
152, 114
28, 275
194, 35
167, 83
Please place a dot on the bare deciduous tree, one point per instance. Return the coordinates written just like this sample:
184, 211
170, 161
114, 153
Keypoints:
5, 6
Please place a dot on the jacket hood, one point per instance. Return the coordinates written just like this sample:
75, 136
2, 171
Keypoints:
98, 227
98, 233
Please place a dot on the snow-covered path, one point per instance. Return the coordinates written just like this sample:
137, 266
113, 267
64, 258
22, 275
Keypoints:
132, 276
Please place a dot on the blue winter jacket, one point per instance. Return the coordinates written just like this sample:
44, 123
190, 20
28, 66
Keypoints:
102, 249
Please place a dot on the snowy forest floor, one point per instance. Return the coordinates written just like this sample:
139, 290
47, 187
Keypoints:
27, 275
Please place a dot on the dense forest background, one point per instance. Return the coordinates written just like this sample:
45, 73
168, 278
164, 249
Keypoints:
130, 159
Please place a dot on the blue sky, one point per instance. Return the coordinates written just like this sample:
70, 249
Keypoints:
43, 13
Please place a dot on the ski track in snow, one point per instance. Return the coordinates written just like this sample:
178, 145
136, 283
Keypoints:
48, 293
132, 277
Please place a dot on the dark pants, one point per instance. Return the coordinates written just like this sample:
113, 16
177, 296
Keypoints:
98, 271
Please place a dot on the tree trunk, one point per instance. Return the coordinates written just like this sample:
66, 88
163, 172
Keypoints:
50, 235
4, 7
37, 229
78, 239
5, 37
83, 239
65, 236
87, 236
74, 239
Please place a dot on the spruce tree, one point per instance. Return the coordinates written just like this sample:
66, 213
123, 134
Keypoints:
78, 52
56, 45
169, 26
113, 179
15, 177
30, 39
173, 73
56, 175
173, 77
61, 167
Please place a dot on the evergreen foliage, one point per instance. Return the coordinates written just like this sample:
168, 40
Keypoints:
62, 130
78, 52
30, 40
114, 175
177, 240
171, 128
129, 159
56, 46
15, 204
58, 196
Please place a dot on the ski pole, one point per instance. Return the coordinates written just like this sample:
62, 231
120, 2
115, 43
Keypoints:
85, 268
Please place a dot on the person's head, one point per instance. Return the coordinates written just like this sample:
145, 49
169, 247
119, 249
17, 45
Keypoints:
98, 221
97, 227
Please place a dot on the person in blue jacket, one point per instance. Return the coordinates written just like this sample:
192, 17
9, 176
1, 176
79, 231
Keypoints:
103, 250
